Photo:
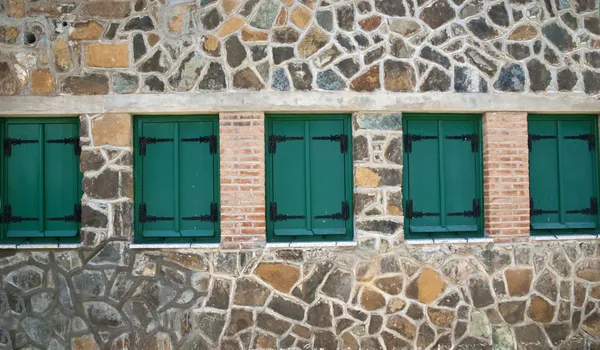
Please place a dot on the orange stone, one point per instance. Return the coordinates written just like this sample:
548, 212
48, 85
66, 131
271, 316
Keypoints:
518, 281
107, 55
85, 342
211, 44
62, 56
176, 23
431, 285
522, 33
368, 81
87, 31
281, 276
371, 300
371, 23
253, 35
16, 8
282, 17
229, 5
41, 82
301, 17
365, 177
540, 310
287, 3
232, 25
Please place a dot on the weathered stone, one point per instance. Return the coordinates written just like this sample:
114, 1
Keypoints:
518, 51
531, 337
106, 9
247, 79
539, 76
281, 276
440, 317
219, 296
592, 24
210, 324
546, 285
26, 278
301, 76
89, 284
403, 326
558, 333
319, 315
381, 226
371, 300
329, 80
591, 325
236, 52
368, 81
152, 83
143, 23
437, 14
338, 285
86, 31
436, 80
391, 285
285, 35
240, 320
481, 29
512, 311
480, 291
314, 40
349, 67
499, 15
90, 84
523, 33
399, 76
188, 72
585, 5
272, 324
301, 17
102, 315
266, 14
394, 342
326, 57
249, 293
589, 270
158, 62
484, 64
107, 55
591, 83
511, 79
345, 17
559, 36
214, 78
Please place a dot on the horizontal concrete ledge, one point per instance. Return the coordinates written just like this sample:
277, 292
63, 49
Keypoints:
311, 244
40, 246
564, 237
449, 241
175, 246
270, 101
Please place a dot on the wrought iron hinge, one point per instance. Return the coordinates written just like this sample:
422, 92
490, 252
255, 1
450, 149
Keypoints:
474, 138
212, 142
212, 217
7, 216
534, 212
590, 138
344, 215
473, 213
281, 217
8, 143
342, 139
410, 212
535, 137
144, 217
410, 138
143, 141
275, 139
76, 217
70, 140
592, 210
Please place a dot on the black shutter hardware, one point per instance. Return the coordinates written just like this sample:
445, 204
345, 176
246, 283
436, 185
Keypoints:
8, 143
212, 141
535, 137
7, 216
592, 210
534, 212
344, 215
144, 217
143, 141
474, 138
70, 140
410, 213
590, 138
275, 139
212, 217
473, 213
76, 217
281, 217
409, 138
342, 139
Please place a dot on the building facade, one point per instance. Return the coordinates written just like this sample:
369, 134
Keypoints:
280, 174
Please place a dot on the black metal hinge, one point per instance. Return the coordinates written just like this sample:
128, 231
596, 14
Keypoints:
70, 140
474, 138
534, 212
212, 217
410, 138
535, 137
281, 217
342, 139
410, 213
212, 141
344, 215
473, 213
76, 217
143, 141
592, 210
590, 138
7, 216
275, 139
144, 217
8, 143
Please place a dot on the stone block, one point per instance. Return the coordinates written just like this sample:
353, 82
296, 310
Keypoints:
112, 130
111, 55
42, 82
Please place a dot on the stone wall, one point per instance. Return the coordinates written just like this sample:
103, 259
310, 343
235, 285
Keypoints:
151, 46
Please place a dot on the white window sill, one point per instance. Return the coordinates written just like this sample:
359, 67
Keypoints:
41, 246
564, 237
175, 246
449, 241
311, 244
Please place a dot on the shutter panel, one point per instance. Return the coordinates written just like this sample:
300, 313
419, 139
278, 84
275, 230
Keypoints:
289, 180
196, 179
23, 200
577, 169
62, 180
327, 177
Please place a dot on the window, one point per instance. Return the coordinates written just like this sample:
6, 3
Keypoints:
177, 182
309, 178
442, 176
41, 182
563, 174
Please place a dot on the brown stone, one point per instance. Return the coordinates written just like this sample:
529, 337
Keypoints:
281, 276
87, 31
16, 8
62, 56
229, 5
349, 342
301, 331
589, 270
540, 310
518, 281
370, 23
9, 35
9, 84
399, 76
368, 81
365, 177
391, 285
112, 129
211, 45
188, 260
403, 326
265, 341
512, 311
254, 35
522, 33
301, 16
312, 42
282, 17
231, 26
177, 21
430, 285
249, 293
106, 9
595, 292
247, 79
41, 82
591, 325
558, 333
90, 84
371, 300
153, 39
107, 55
85, 342
441, 317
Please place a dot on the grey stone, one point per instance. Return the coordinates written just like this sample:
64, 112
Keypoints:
390, 8
266, 14
113, 253
393, 151
282, 54
518, 51
186, 76
400, 49
469, 343
349, 67
211, 324
287, 308
345, 42
214, 78
539, 76
247, 79
482, 29
319, 315
158, 63
101, 314
499, 15
374, 55
285, 35
380, 121
212, 19
152, 83
143, 23
387, 227
567, 79
89, 284
41, 301
591, 82
330, 80
395, 342
123, 83
258, 52
325, 20
480, 291
240, 320
559, 36
272, 324
511, 79
301, 76
139, 47
37, 329
236, 52
249, 293
593, 59
437, 14
219, 297
585, 5
432, 55
531, 337
280, 80
480, 61
345, 17
472, 8
338, 285
436, 80
468, 80
592, 24
64, 294
325, 340
26, 278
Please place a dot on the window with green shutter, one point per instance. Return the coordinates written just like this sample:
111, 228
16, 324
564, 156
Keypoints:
309, 178
442, 176
563, 174
177, 182
41, 187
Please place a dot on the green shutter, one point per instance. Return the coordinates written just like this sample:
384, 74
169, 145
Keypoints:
176, 189
442, 176
308, 178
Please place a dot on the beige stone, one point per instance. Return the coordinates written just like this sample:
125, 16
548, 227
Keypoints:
518, 281
431, 285
176, 22
42, 82
254, 35
365, 177
106, 9
188, 260
107, 55
231, 26
591, 325
153, 39
395, 305
441, 317
86, 342
301, 17
522, 33
540, 310
371, 300
349, 342
112, 129
281, 276
312, 42
287, 3
16, 8
229, 5
86, 31
62, 56
211, 44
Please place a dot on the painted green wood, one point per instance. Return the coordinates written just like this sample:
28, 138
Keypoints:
177, 179
308, 177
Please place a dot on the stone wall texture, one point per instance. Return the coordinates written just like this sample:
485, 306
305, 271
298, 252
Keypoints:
152, 46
